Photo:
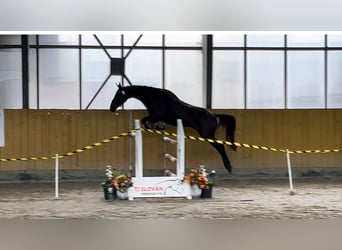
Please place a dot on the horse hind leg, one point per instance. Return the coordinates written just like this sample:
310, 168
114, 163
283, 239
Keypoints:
230, 130
228, 121
220, 148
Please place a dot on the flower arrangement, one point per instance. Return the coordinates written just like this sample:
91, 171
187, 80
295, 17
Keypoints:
198, 175
118, 179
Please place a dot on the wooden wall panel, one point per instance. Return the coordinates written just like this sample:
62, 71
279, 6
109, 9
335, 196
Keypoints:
47, 132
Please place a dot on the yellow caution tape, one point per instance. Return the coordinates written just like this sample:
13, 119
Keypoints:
245, 145
189, 137
76, 151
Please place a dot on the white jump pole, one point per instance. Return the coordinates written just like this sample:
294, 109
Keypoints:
138, 151
180, 149
142, 184
130, 142
56, 175
289, 171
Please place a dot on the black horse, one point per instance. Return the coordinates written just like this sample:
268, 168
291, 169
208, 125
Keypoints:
164, 106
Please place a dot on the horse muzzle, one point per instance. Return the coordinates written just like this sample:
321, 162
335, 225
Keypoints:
113, 108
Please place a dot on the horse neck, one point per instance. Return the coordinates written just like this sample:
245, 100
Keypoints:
139, 94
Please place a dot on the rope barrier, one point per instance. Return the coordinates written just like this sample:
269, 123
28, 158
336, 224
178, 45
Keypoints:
189, 137
76, 151
245, 145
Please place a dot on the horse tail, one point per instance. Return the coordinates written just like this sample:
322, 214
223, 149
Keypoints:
229, 122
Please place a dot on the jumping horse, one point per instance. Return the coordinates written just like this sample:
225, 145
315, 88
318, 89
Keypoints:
164, 106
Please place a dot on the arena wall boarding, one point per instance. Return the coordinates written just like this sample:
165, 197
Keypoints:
37, 133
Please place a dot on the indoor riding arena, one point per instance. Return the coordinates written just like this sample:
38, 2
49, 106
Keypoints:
261, 114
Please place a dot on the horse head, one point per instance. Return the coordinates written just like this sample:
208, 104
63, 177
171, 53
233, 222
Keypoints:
119, 99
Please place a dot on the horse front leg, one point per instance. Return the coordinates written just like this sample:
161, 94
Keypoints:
220, 148
151, 122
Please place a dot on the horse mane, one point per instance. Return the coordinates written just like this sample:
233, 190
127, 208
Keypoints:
151, 91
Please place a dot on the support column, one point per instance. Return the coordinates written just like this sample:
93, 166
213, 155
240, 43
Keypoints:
25, 70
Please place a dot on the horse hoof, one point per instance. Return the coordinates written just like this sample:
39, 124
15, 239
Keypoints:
149, 125
160, 127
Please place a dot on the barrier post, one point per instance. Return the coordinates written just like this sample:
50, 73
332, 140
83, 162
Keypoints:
56, 176
289, 171
180, 149
138, 151
130, 141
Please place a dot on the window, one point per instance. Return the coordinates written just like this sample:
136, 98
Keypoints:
305, 40
107, 40
10, 79
335, 40
228, 40
265, 79
10, 40
265, 41
305, 79
95, 70
73, 68
183, 75
183, 39
59, 39
59, 85
145, 40
304, 72
143, 67
335, 79
253, 70
228, 79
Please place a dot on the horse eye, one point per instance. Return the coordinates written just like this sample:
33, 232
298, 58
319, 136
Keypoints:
123, 92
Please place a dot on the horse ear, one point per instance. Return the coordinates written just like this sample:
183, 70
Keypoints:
119, 85
120, 88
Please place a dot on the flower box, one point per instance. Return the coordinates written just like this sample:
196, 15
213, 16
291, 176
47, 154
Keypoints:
207, 193
117, 181
201, 182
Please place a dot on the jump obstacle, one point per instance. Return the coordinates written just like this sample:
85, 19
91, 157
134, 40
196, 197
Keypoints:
164, 186
181, 138
170, 186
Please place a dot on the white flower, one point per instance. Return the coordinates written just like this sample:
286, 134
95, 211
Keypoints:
109, 175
